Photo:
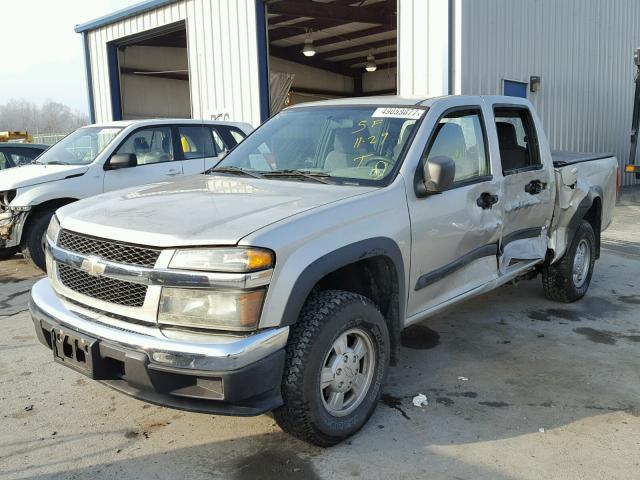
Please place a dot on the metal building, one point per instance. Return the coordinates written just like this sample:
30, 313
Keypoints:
243, 59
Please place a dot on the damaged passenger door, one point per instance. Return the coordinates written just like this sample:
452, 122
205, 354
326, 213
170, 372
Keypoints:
527, 186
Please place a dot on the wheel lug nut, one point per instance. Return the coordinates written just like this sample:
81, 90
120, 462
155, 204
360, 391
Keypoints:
339, 371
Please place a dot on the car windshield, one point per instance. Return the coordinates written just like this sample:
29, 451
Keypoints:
80, 147
356, 145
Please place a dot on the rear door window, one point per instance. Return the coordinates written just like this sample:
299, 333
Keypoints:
517, 140
195, 142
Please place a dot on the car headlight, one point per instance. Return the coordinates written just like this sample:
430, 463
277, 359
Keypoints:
211, 309
53, 229
234, 259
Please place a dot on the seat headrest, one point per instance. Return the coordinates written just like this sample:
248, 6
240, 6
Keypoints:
507, 136
140, 144
449, 141
344, 141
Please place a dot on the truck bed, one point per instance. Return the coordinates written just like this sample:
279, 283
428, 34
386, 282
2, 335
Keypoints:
562, 159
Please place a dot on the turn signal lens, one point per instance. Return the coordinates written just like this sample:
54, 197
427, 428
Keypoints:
632, 168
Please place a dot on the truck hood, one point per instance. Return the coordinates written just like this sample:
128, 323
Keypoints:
200, 210
34, 174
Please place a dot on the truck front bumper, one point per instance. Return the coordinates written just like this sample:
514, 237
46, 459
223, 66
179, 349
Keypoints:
229, 376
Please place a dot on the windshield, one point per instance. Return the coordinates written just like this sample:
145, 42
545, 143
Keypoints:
358, 145
80, 147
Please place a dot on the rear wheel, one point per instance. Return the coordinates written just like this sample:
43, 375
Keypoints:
35, 237
568, 279
337, 360
6, 253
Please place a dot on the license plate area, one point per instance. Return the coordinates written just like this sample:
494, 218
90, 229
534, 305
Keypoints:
75, 351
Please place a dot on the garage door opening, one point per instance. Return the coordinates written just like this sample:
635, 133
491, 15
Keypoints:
150, 74
330, 49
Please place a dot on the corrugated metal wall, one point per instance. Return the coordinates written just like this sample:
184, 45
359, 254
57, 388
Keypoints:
223, 58
423, 46
583, 49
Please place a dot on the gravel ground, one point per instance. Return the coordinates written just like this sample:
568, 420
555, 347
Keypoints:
518, 388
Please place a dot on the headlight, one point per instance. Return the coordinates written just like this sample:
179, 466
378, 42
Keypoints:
53, 229
7, 197
235, 259
212, 309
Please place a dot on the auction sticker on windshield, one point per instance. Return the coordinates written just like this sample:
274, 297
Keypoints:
399, 112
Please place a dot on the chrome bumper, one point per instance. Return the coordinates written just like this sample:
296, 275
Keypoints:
211, 353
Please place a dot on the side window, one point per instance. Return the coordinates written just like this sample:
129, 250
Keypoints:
4, 162
217, 139
231, 135
24, 156
517, 140
461, 136
150, 145
237, 135
195, 142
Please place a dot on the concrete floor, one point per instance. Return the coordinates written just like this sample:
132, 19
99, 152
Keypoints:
550, 391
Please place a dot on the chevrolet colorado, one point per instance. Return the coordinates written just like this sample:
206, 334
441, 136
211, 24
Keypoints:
281, 279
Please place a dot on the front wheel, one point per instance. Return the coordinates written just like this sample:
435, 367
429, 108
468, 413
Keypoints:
35, 237
337, 361
568, 279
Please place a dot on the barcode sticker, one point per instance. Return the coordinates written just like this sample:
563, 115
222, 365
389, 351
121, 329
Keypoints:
398, 112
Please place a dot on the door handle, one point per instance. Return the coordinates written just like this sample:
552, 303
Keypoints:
487, 200
173, 173
534, 187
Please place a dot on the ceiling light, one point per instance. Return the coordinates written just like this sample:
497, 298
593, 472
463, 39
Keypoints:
308, 50
371, 65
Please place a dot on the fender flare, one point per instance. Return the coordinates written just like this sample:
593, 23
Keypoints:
584, 206
346, 255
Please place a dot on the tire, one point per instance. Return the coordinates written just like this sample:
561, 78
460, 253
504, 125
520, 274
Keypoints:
33, 238
559, 280
325, 318
7, 253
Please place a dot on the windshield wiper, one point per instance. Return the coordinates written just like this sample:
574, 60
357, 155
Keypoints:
319, 177
235, 171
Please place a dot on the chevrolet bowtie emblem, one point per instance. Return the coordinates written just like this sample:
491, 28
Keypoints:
93, 266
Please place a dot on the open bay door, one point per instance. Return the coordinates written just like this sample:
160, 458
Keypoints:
320, 50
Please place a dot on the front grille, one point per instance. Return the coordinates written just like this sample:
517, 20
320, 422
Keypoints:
102, 288
108, 249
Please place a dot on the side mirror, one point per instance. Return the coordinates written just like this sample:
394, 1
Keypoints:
122, 160
438, 174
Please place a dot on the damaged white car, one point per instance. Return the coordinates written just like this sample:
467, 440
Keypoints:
97, 159
281, 280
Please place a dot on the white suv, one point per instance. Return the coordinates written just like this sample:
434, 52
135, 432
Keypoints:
100, 158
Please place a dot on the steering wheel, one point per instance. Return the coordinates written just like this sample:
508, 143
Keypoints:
379, 165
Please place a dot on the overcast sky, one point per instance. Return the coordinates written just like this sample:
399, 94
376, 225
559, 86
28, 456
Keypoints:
42, 56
